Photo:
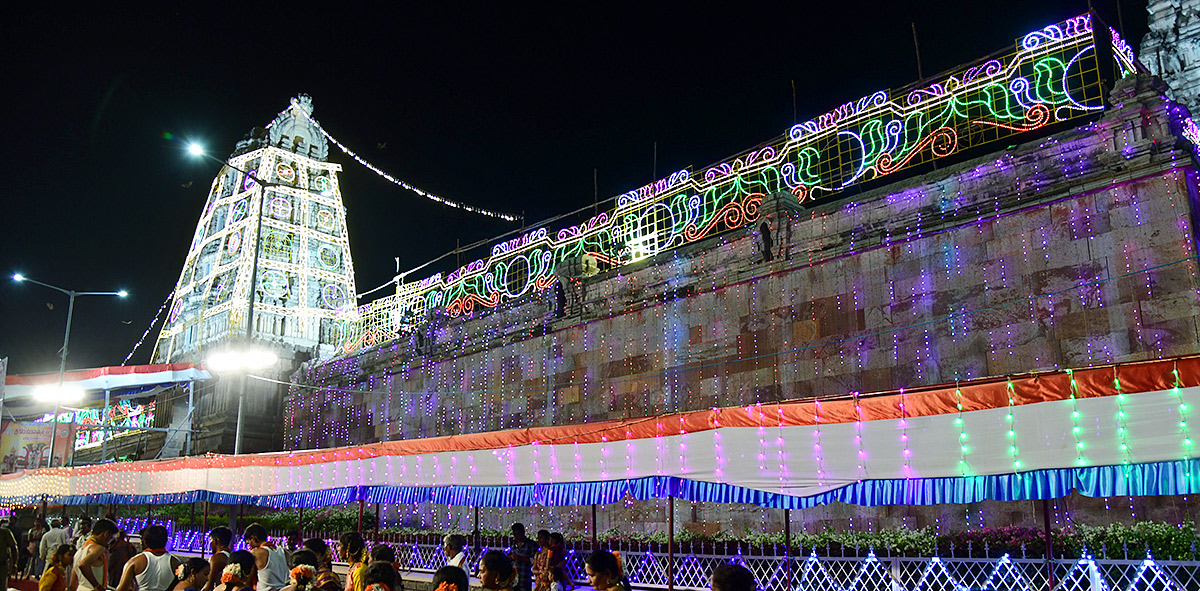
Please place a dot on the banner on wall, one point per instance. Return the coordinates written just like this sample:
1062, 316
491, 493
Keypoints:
26, 446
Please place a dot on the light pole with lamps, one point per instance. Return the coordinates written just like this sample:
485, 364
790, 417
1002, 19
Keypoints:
62, 364
242, 361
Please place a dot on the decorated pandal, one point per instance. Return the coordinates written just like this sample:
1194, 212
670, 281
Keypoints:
1104, 431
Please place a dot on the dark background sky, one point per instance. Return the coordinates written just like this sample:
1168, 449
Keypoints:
504, 106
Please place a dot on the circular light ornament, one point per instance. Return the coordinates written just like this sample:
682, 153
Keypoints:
325, 219
234, 242
176, 310
281, 207
285, 172
249, 182
239, 212
328, 256
274, 283
333, 296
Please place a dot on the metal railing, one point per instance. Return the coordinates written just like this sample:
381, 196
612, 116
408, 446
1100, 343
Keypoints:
774, 569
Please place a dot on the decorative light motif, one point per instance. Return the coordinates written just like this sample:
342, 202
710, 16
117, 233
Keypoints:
1053, 76
1122, 54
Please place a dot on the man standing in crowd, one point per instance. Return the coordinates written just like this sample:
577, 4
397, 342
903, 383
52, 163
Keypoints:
91, 560
218, 542
85, 532
52, 539
8, 553
154, 568
521, 554
271, 561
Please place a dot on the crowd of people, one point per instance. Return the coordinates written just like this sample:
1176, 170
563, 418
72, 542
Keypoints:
98, 557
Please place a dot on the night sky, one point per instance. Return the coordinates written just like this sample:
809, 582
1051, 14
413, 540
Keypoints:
503, 107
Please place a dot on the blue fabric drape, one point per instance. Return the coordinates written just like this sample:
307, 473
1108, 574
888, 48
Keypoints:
1159, 478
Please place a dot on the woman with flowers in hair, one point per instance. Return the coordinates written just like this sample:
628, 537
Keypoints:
451, 578
239, 572
192, 575
306, 574
58, 569
326, 578
604, 571
379, 576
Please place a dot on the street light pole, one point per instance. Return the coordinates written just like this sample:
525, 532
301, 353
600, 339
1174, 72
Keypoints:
62, 363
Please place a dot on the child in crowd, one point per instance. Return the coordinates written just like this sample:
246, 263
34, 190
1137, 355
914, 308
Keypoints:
327, 580
558, 579
385, 553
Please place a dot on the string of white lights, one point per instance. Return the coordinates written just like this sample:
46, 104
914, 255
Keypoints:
153, 321
444, 201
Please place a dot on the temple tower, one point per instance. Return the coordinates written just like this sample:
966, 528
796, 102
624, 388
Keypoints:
270, 245
1171, 50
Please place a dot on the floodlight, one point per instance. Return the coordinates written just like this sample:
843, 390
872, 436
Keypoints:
57, 393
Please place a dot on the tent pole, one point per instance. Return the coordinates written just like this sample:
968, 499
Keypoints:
787, 548
475, 530
204, 532
670, 543
376, 523
594, 545
1049, 544
300, 526
361, 505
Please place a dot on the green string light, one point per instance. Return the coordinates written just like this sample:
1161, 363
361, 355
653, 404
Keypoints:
1183, 412
1013, 450
1076, 430
964, 447
1122, 422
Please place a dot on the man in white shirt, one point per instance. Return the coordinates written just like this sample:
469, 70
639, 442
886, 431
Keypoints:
454, 546
52, 539
154, 568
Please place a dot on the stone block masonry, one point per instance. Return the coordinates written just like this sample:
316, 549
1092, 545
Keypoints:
1071, 250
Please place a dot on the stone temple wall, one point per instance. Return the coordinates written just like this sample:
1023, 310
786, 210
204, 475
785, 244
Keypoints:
1068, 251
1171, 50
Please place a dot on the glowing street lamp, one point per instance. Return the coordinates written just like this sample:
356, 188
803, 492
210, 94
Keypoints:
59, 394
240, 362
